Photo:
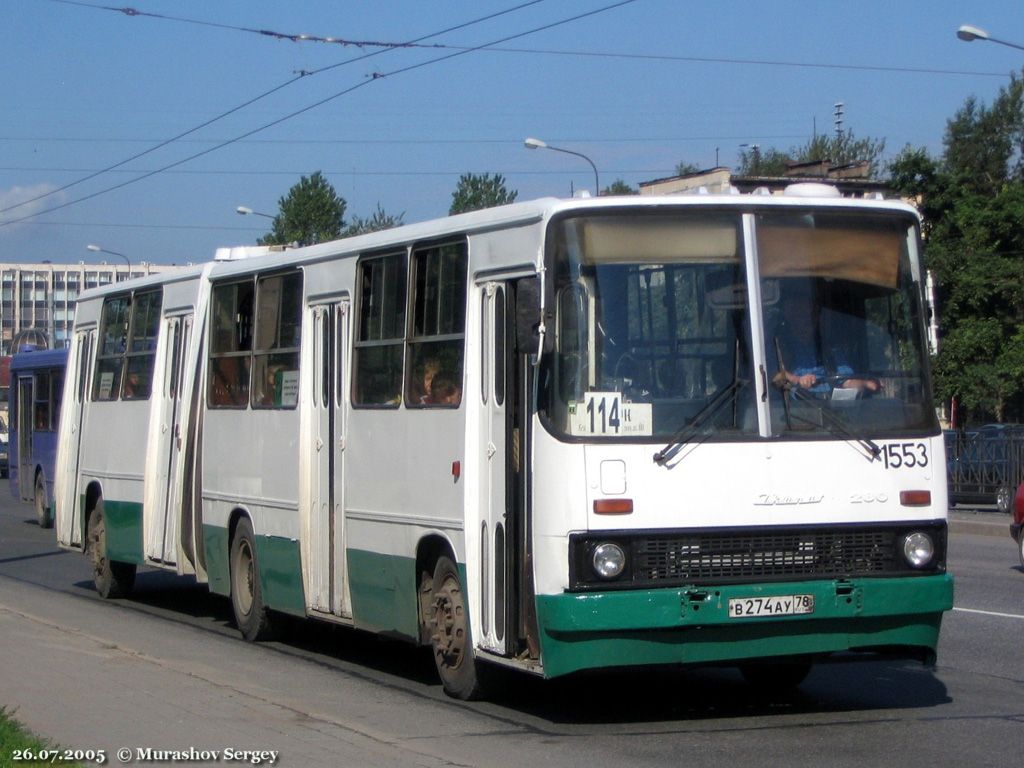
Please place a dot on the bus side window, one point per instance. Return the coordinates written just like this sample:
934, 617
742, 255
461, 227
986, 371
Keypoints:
437, 332
41, 417
141, 353
275, 365
380, 337
230, 345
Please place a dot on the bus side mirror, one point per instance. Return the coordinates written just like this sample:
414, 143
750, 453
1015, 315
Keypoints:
528, 316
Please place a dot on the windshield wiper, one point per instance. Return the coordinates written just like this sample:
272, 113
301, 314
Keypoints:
687, 432
829, 420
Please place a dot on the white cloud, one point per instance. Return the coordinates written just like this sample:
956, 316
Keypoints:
14, 195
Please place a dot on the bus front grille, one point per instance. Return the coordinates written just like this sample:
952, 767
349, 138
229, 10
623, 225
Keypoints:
752, 555
717, 557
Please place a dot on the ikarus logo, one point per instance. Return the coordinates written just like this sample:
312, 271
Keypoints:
786, 500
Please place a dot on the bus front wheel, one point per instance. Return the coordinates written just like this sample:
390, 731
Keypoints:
43, 513
112, 579
251, 614
449, 633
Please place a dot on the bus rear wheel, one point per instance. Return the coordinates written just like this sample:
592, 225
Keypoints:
251, 614
43, 513
450, 639
112, 579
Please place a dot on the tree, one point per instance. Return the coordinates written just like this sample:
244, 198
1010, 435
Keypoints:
476, 191
839, 150
972, 202
684, 168
619, 187
771, 162
375, 223
311, 212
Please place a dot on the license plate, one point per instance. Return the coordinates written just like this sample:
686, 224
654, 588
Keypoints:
779, 605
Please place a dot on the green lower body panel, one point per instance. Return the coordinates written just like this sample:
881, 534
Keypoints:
217, 549
691, 625
123, 521
280, 569
384, 589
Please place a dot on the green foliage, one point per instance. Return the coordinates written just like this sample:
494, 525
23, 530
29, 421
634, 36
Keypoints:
972, 203
771, 162
619, 187
477, 191
839, 150
685, 169
15, 736
311, 212
375, 223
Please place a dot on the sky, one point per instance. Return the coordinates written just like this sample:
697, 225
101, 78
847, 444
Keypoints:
636, 86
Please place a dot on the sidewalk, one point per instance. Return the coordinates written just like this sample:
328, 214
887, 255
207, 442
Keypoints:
979, 522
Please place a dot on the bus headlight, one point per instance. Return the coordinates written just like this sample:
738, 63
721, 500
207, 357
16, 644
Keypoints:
918, 549
609, 560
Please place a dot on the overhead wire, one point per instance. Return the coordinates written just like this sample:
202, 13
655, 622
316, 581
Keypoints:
300, 38
249, 102
374, 77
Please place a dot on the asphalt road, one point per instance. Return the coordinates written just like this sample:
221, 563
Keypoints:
165, 670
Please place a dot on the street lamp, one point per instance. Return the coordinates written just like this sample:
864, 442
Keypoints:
97, 249
532, 143
243, 210
967, 33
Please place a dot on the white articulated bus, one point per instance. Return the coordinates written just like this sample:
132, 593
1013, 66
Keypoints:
556, 435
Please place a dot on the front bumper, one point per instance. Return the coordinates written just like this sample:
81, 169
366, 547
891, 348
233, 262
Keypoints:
692, 625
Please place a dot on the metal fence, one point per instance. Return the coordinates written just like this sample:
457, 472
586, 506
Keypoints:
985, 466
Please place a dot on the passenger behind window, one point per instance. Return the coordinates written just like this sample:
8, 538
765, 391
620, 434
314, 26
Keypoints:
423, 383
444, 390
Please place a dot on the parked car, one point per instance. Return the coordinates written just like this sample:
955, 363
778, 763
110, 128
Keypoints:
985, 465
1017, 526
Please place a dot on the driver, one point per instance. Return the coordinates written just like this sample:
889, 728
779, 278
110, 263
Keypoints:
805, 359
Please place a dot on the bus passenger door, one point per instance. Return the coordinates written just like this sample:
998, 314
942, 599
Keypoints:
26, 411
494, 527
70, 500
327, 545
177, 330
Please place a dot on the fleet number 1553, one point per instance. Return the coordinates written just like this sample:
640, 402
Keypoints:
905, 455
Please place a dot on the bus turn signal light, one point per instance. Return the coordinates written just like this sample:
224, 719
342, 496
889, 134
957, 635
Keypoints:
613, 507
916, 498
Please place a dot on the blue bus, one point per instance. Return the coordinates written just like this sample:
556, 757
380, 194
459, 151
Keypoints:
37, 386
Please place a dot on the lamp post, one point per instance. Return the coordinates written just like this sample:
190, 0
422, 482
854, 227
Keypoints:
967, 33
243, 210
532, 143
98, 249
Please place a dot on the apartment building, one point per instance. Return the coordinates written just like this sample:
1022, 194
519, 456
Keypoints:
42, 296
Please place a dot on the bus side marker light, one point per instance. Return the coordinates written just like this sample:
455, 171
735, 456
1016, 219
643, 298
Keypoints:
613, 507
916, 498
456, 470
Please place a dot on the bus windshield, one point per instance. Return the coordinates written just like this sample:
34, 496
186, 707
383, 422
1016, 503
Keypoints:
843, 321
650, 335
652, 326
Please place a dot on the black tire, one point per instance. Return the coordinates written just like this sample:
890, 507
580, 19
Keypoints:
450, 638
43, 513
776, 676
112, 579
251, 615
